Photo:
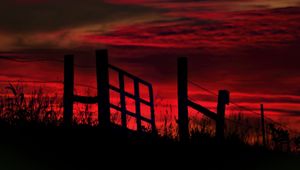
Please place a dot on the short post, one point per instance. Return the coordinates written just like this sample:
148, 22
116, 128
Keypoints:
68, 90
137, 105
122, 100
223, 100
182, 89
153, 126
263, 124
103, 88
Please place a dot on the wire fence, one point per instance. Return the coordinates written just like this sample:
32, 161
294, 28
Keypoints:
241, 109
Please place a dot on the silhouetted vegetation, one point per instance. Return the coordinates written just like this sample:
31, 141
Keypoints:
39, 109
33, 124
18, 108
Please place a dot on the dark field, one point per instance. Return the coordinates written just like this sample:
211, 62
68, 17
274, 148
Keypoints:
95, 148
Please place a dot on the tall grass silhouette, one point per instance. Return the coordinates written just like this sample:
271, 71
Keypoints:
39, 109
20, 109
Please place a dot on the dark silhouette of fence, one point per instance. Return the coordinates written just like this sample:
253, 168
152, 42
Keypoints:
104, 105
103, 97
184, 103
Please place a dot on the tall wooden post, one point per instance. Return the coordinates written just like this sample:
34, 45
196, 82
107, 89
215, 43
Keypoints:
182, 89
223, 100
68, 89
103, 88
263, 124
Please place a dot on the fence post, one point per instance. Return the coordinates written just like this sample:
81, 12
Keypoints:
103, 88
68, 89
137, 105
263, 124
152, 110
182, 89
223, 100
122, 100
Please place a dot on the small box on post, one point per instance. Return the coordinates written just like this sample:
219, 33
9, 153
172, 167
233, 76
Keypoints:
223, 100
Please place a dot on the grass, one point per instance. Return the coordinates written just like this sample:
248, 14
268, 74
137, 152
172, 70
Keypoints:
32, 125
16, 108
38, 109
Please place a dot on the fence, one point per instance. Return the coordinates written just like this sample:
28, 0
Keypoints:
184, 103
103, 96
278, 135
104, 105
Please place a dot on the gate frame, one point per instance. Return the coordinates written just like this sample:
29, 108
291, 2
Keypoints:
103, 94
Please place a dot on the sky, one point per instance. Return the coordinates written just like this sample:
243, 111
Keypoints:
249, 47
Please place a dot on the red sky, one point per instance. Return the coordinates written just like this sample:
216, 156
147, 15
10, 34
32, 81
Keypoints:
249, 47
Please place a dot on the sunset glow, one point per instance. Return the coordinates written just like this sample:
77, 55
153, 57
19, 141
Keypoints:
249, 47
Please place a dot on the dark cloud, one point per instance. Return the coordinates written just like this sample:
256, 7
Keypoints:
54, 15
274, 27
249, 69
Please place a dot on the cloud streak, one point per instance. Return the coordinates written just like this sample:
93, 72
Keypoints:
45, 16
61, 24
275, 27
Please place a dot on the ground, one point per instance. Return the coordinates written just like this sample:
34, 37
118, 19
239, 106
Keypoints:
95, 148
